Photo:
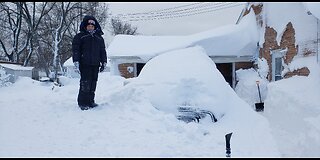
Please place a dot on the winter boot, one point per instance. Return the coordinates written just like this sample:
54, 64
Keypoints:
84, 107
92, 105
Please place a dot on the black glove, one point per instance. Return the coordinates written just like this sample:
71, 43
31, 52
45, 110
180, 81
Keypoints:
103, 66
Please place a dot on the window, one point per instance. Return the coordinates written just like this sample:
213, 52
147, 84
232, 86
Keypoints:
277, 66
278, 69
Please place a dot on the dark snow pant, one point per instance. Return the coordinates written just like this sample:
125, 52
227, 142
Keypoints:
88, 84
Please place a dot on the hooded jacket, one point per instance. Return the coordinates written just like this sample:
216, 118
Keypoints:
89, 48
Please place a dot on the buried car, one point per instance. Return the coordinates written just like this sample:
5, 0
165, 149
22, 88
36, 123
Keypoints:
187, 83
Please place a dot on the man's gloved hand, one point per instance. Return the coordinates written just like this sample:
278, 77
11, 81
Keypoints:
76, 67
103, 66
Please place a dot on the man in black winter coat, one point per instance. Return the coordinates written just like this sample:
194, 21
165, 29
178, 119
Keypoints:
89, 57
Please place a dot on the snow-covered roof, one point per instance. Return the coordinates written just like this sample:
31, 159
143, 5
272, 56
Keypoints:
145, 47
230, 40
15, 67
68, 62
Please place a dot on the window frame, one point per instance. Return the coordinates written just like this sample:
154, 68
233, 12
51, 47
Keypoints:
275, 55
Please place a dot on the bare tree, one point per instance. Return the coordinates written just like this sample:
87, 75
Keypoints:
64, 25
120, 27
41, 33
33, 13
64, 19
13, 15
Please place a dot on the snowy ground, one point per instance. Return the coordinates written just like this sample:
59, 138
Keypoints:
39, 120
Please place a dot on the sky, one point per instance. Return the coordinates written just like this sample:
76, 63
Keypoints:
137, 117
203, 16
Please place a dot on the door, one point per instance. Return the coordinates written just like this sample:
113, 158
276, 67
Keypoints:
139, 67
226, 71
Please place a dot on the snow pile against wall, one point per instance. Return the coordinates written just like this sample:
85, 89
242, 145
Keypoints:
247, 89
293, 110
294, 113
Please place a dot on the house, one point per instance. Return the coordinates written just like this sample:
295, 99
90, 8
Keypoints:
68, 69
288, 32
279, 34
128, 53
16, 70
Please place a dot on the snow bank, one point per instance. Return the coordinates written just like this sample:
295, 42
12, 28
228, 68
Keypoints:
189, 77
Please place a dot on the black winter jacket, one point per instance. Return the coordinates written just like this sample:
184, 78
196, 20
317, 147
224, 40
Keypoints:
89, 49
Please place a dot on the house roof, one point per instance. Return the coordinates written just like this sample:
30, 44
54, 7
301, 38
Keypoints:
15, 67
230, 40
145, 47
68, 62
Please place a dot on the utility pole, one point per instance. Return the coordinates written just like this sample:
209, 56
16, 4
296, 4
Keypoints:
317, 40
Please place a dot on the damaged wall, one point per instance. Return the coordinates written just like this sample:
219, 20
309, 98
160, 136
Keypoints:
270, 43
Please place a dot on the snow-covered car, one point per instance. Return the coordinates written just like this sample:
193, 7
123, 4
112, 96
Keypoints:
187, 83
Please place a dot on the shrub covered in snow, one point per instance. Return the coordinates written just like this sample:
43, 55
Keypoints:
4, 78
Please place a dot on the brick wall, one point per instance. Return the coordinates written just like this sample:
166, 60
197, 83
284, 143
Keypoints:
288, 41
257, 10
243, 65
123, 69
270, 43
300, 72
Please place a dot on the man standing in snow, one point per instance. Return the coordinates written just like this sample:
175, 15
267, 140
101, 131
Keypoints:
89, 57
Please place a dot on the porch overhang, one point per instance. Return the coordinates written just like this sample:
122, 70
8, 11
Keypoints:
231, 59
126, 59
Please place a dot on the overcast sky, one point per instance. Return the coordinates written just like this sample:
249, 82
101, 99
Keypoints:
177, 18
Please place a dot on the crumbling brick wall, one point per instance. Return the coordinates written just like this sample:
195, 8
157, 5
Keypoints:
287, 42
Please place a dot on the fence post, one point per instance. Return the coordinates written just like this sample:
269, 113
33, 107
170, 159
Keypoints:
228, 149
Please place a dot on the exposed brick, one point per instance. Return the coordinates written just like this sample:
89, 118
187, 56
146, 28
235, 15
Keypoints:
270, 43
123, 70
257, 9
288, 41
299, 72
243, 65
